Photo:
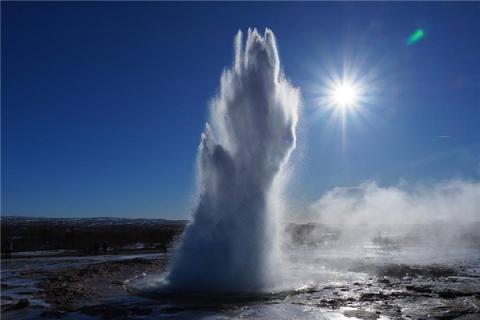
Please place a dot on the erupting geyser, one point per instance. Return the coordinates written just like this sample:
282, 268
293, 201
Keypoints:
232, 245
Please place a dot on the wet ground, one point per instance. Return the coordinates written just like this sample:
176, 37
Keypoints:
325, 283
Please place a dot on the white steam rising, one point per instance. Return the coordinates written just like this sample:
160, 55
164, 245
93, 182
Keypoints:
437, 213
233, 242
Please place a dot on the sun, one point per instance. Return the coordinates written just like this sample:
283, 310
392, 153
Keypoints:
345, 95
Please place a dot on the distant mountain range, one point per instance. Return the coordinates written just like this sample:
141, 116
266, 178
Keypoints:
22, 220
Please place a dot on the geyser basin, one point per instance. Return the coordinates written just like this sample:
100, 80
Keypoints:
232, 244
155, 288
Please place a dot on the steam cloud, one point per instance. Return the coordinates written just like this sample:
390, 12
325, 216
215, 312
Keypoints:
440, 213
233, 242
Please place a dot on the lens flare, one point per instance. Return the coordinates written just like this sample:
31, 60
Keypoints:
415, 37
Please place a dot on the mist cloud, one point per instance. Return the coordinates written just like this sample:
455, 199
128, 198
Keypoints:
443, 212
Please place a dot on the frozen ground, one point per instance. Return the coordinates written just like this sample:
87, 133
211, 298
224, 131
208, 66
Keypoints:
367, 282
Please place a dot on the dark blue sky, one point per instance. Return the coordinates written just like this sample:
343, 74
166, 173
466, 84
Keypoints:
103, 103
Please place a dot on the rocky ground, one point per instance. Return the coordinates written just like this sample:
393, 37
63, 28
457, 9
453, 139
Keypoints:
399, 291
385, 291
83, 289
68, 290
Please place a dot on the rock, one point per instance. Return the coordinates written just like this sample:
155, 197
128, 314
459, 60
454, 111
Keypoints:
385, 280
473, 316
115, 311
53, 314
22, 303
361, 314
452, 294
141, 311
372, 296
419, 288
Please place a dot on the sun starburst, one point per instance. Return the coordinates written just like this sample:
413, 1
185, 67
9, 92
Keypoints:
345, 95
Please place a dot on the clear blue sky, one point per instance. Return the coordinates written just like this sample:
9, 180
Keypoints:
103, 103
